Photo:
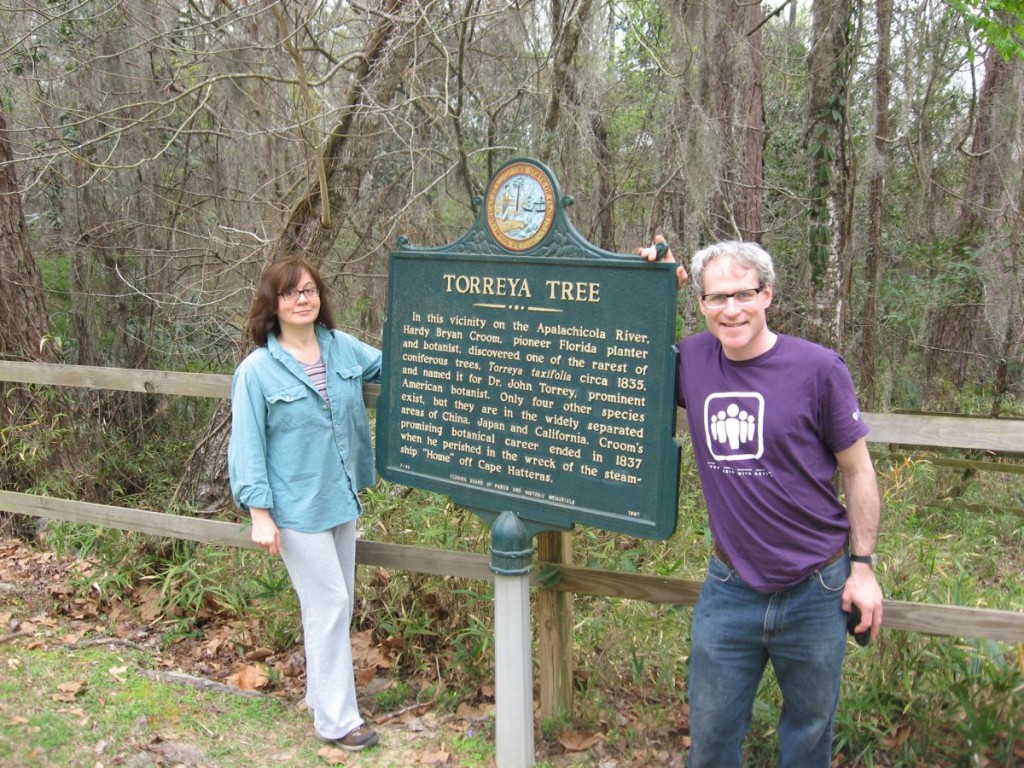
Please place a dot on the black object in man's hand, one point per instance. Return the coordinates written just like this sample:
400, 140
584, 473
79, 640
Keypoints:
862, 638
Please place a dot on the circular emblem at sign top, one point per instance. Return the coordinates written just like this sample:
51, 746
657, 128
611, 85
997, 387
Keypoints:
520, 206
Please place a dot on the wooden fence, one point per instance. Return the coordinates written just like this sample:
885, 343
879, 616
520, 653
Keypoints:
1000, 436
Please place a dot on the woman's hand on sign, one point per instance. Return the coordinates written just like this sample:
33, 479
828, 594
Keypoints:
660, 251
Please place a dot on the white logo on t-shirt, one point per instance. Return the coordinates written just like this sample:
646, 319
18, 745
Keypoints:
733, 425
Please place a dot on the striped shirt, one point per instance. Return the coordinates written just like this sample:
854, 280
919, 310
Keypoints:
317, 373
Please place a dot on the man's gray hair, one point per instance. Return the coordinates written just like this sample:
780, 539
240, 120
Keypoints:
744, 255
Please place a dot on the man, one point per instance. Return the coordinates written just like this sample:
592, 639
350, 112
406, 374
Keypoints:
771, 417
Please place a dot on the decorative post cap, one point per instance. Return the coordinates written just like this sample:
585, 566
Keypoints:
511, 547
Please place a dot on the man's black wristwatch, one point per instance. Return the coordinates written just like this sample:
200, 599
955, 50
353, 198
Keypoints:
871, 559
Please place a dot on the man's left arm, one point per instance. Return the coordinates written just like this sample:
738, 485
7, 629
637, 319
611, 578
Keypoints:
864, 509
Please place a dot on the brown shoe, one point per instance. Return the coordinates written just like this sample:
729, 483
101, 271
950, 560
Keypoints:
358, 739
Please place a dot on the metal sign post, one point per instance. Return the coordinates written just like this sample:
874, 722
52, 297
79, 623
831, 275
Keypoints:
511, 563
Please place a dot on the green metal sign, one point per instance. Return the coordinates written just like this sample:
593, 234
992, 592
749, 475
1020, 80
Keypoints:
527, 370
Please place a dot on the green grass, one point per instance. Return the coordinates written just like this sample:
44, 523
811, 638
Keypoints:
83, 708
94, 706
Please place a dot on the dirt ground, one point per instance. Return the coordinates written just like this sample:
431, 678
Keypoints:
38, 605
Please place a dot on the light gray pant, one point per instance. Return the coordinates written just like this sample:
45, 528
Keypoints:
322, 570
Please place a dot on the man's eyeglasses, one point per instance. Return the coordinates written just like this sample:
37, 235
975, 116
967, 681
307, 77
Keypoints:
742, 298
292, 294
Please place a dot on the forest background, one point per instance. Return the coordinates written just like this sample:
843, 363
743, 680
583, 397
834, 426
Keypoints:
155, 155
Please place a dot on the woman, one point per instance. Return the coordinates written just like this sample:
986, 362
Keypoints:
299, 454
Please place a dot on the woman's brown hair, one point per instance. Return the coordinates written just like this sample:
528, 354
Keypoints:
278, 277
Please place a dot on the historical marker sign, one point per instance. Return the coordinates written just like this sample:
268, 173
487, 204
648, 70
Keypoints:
526, 370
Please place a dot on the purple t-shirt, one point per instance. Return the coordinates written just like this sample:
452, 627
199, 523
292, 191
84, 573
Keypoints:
765, 433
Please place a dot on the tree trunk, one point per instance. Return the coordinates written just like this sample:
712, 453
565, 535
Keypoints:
24, 325
738, 110
956, 329
828, 231
25, 322
875, 261
311, 228
605, 183
568, 33
555, 609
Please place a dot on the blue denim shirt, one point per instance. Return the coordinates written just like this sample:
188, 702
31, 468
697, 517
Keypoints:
290, 451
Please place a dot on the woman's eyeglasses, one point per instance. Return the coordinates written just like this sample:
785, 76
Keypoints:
292, 294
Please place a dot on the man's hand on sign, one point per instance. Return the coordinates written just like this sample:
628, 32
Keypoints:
660, 251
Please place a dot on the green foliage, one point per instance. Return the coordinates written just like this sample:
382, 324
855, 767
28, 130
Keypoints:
112, 556
32, 442
989, 688
190, 583
394, 696
552, 727
444, 698
473, 645
476, 747
999, 23
646, 45
191, 586
923, 700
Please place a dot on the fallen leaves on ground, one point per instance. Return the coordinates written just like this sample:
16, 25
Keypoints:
53, 614
578, 742
249, 677
333, 755
68, 691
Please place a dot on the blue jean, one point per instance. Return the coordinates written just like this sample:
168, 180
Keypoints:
736, 632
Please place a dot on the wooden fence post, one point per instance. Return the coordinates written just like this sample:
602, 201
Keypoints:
554, 631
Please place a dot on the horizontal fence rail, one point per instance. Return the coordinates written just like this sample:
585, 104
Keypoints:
123, 379
1001, 436
914, 617
923, 430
